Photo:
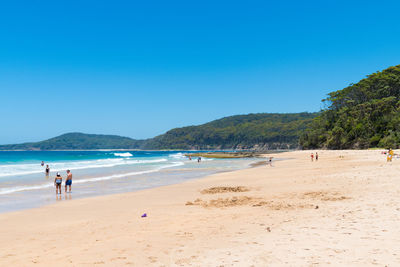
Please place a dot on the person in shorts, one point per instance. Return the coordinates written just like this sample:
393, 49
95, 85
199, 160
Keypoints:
68, 182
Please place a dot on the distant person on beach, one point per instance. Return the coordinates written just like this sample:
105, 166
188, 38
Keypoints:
312, 157
58, 182
270, 161
42, 164
199, 159
47, 170
68, 181
389, 155
190, 157
316, 156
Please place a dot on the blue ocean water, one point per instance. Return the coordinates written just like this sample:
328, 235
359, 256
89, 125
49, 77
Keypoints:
23, 183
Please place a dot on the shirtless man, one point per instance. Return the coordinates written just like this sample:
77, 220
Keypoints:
68, 181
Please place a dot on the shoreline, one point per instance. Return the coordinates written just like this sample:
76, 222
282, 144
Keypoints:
341, 210
153, 150
42, 194
122, 194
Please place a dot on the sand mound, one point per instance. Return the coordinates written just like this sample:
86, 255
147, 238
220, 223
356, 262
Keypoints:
248, 201
224, 189
325, 196
225, 202
283, 205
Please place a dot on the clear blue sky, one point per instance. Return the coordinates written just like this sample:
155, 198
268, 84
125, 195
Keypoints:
139, 68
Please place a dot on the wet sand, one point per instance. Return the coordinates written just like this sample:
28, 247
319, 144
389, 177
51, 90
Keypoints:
343, 210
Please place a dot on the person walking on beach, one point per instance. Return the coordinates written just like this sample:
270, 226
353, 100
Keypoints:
199, 159
47, 170
42, 164
270, 161
312, 156
68, 181
316, 156
58, 182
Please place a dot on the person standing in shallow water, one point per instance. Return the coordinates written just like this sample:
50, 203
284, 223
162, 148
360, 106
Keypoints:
47, 170
316, 156
58, 182
68, 181
270, 161
312, 157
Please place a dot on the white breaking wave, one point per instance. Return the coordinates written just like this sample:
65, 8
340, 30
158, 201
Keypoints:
127, 154
115, 176
178, 156
24, 169
15, 189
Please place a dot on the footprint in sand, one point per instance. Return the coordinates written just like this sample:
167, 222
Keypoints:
152, 259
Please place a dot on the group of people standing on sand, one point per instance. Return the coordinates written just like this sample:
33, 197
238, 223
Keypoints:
58, 180
316, 156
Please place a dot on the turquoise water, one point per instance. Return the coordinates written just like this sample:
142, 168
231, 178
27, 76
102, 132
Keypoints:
23, 183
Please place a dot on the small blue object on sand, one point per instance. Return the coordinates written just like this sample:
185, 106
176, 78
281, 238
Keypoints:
144, 215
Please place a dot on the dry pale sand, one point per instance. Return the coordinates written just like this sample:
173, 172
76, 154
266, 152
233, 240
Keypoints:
343, 210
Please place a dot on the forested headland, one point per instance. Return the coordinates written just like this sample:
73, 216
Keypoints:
362, 115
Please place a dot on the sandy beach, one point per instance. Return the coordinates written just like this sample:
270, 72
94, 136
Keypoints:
343, 210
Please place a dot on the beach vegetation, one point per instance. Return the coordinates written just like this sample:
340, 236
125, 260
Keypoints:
362, 115
260, 131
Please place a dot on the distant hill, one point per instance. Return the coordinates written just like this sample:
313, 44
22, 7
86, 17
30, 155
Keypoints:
72, 141
253, 131
362, 115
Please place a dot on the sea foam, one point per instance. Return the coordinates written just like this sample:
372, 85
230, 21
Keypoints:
9, 190
25, 169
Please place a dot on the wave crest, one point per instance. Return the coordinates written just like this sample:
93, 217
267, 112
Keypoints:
127, 154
